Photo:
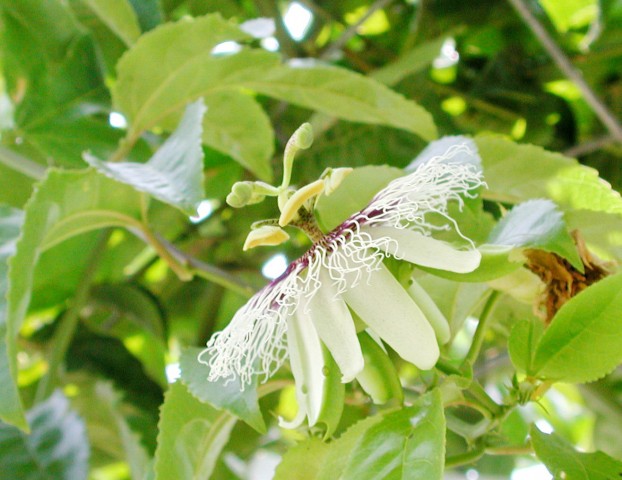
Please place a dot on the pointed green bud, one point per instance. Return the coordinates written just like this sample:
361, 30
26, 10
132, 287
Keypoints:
379, 377
436, 318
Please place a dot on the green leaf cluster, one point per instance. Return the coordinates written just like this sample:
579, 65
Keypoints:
124, 125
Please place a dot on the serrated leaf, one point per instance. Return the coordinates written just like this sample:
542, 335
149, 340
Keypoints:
405, 444
64, 204
303, 461
119, 16
353, 194
11, 409
192, 435
522, 343
583, 341
408, 444
174, 174
339, 454
221, 394
57, 446
563, 461
538, 173
536, 224
346, 95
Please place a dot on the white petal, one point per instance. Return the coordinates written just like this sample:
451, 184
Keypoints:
425, 251
335, 326
307, 362
385, 306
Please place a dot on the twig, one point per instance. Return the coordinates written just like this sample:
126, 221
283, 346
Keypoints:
480, 332
590, 146
564, 64
204, 270
21, 164
414, 28
338, 44
270, 8
466, 458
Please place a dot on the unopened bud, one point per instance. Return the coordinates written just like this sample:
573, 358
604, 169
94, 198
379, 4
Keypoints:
244, 193
241, 193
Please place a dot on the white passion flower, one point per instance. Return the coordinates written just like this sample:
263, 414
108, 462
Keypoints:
310, 303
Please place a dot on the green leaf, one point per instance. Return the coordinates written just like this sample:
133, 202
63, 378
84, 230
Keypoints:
149, 94
15, 187
174, 174
129, 314
148, 12
599, 229
339, 454
11, 409
354, 193
192, 435
150, 86
531, 224
108, 429
64, 204
406, 444
583, 341
536, 224
537, 173
303, 461
522, 343
56, 448
46, 46
64, 139
236, 125
563, 461
119, 16
346, 95
409, 63
221, 394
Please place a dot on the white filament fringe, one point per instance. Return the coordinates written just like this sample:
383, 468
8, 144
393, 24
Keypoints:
254, 343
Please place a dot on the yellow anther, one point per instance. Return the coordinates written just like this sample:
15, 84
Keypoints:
266, 235
298, 199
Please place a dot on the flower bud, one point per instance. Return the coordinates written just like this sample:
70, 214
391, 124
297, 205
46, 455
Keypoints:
241, 193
